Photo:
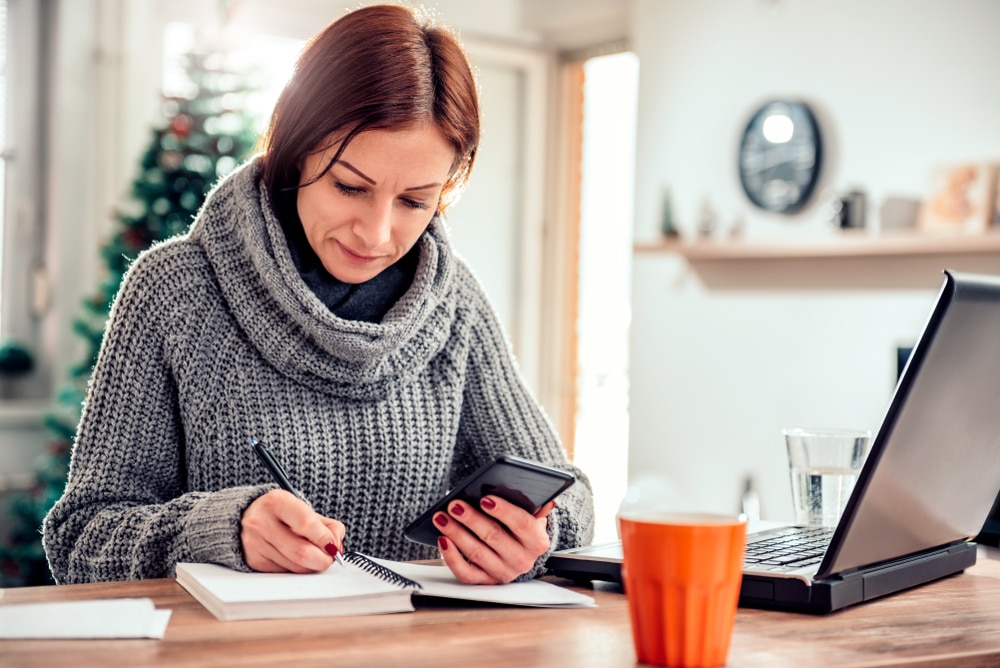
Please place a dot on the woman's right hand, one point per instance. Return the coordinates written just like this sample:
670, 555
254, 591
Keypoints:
280, 532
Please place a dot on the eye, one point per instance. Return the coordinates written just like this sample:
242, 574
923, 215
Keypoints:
415, 204
350, 191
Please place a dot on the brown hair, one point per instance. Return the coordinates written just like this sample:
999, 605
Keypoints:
378, 67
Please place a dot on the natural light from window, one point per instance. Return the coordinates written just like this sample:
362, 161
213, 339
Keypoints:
3, 130
268, 59
608, 174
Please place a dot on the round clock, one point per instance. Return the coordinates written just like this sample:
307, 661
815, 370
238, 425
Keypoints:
780, 156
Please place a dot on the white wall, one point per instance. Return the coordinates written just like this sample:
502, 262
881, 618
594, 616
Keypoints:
724, 356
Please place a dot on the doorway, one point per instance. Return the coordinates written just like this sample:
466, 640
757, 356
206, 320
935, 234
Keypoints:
606, 185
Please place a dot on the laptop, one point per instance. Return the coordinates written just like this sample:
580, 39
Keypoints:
925, 491
990, 533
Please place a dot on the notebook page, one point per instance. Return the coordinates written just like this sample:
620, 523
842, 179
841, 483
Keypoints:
439, 581
338, 581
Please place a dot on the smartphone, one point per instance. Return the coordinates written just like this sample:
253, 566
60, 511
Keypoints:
524, 483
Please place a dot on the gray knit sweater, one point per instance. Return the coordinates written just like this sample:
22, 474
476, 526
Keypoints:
214, 338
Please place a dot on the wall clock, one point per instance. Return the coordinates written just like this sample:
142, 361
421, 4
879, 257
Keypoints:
780, 156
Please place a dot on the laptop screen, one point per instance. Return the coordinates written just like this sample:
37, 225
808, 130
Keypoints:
990, 533
932, 472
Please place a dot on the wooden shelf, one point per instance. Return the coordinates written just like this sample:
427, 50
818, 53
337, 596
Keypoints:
842, 245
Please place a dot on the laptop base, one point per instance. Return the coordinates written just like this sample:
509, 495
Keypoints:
835, 593
585, 564
603, 562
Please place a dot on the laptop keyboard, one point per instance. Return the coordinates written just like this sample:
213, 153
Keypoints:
787, 549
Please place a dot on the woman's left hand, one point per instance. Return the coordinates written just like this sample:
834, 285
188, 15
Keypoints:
494, 543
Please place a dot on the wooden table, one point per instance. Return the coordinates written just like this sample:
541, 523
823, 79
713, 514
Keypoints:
953, 622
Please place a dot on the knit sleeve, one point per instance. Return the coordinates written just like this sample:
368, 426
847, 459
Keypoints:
125, 513
501, 416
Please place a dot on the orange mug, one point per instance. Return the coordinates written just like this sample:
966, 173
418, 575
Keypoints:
682, 574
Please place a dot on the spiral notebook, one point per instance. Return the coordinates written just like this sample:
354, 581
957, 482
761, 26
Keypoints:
362, 586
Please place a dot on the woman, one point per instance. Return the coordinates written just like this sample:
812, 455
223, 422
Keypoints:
317, 306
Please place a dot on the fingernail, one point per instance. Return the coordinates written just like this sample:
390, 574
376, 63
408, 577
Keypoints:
441, 520
332, 550
442, 543
457, 509
488, 503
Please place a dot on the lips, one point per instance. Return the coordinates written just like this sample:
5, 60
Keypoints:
357, 257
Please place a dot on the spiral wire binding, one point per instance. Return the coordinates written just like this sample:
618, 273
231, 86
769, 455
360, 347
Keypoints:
381, 572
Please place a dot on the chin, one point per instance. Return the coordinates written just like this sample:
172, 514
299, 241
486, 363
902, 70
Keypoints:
354, 275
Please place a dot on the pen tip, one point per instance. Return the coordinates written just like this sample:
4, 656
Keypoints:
253, 441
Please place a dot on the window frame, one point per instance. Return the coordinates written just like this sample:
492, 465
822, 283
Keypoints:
23, 297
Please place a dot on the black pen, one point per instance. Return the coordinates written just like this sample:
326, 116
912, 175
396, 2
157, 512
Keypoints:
280, 477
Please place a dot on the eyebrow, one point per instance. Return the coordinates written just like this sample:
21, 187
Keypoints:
372, 181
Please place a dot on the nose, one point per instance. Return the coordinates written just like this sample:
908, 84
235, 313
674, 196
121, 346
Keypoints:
374, 229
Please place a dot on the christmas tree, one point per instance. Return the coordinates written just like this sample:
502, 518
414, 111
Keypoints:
205, 135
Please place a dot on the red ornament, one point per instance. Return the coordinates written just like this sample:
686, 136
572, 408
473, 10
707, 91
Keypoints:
133, 239
181, 126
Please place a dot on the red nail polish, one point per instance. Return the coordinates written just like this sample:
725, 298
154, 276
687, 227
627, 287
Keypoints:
457, 509
488, 503
441, 520
332, 550
442, 543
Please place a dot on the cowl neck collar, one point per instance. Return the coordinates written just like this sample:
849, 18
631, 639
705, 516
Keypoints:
290, 327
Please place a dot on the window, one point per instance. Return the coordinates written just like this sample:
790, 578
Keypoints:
3, 131
22, 116
266, 60
601, 96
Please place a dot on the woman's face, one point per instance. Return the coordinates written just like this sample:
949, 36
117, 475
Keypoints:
377, 199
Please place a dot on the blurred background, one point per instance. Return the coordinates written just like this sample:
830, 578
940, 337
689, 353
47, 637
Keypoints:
668, 324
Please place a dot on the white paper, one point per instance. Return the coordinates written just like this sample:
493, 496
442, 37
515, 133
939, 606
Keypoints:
231, 586
440, 581
103, 618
